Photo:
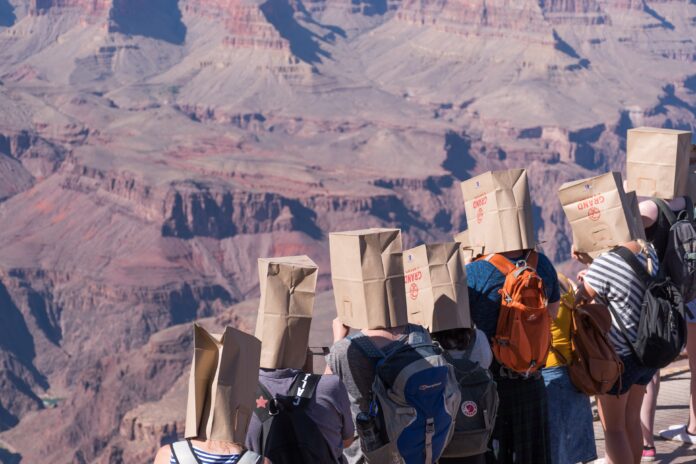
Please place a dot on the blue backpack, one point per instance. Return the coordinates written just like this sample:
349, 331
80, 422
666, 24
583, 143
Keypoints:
415, 399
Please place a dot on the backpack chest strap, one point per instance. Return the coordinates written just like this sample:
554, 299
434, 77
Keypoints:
505, 266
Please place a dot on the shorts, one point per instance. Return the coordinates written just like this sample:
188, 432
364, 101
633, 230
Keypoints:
634, 374
571, 429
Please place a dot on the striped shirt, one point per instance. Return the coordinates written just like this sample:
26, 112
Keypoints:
618, 286
211, 458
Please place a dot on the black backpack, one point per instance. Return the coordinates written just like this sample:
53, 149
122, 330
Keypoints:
475, 419
679, 261
288, 435
662, 326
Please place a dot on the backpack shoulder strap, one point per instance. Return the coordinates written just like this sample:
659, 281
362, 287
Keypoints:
183, 452
533, 259
365, 345
303, 387
264, 403
249, 457
689, 208
665, 210
628, 256
501, 263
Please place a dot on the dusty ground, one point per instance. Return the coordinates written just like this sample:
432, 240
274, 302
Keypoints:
672, 408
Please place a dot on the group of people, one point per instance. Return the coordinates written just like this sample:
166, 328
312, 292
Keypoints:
379, 374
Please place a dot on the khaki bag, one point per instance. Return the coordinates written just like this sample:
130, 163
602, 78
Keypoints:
285, 310
657, 162
367, 272
595, 367
437, 294
498, 210
601, 214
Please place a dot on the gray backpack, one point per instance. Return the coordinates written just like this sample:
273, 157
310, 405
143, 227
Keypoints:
415, 399
679, 262
182, 451
476, 415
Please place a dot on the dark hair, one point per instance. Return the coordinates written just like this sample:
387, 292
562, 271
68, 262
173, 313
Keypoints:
454, 339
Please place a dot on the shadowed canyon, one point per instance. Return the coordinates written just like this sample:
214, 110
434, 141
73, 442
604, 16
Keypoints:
151, 151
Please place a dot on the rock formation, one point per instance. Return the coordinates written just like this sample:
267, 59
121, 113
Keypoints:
151, 151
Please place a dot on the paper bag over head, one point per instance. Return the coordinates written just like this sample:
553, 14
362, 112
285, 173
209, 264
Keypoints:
600, 213
499, 211
657, 162
222, 385
437, 294
470, 252
288, 287
368, 278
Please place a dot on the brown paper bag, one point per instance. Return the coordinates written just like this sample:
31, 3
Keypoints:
600, 213
470, 252
368, 278
288, 286
437, 295
657, 162
222, 385
499, 211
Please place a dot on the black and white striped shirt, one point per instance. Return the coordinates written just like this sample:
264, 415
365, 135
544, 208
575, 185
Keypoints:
618, 285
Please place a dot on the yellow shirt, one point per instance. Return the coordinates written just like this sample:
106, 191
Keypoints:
560, 327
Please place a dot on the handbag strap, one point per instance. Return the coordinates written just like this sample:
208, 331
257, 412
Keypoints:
630, 259
666, 210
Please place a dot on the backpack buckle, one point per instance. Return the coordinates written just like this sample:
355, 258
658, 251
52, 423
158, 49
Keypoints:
273, 408
521, 263
430, 426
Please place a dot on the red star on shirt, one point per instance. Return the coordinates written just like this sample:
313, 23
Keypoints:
261, 402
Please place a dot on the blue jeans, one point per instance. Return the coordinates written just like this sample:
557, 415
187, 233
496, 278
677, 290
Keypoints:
570, 419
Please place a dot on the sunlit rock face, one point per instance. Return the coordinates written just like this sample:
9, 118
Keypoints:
151, 151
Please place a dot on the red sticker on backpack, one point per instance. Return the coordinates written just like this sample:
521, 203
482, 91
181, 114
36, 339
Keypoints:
469, 408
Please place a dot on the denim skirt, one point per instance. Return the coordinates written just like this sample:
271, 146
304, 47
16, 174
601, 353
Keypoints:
570, 419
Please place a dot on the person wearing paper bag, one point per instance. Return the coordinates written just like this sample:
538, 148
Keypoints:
220, 400
288, 397
659, 211
570, 414
499, 217
441, 305
368, 280
611, 280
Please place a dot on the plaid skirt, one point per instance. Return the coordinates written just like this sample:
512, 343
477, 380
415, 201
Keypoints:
521, 433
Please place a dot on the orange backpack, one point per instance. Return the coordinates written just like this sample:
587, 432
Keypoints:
523, 336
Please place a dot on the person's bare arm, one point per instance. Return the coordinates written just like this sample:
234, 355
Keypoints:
553, 309
648, 212
348, 442
163, 455
340, 331
585, 292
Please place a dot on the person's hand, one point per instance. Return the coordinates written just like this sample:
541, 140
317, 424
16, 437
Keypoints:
340, 331
581, 276
581, 257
